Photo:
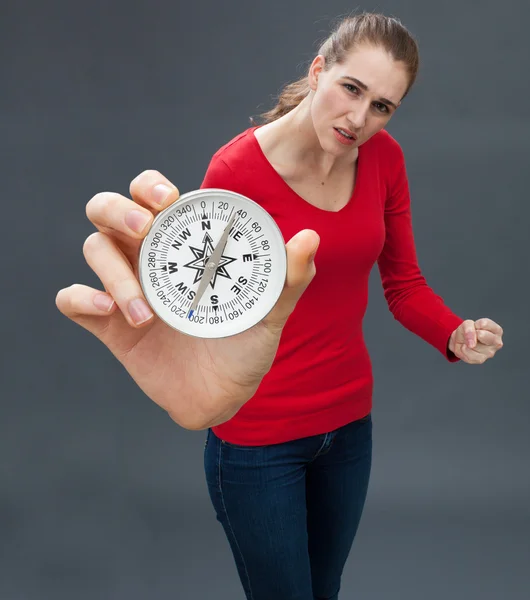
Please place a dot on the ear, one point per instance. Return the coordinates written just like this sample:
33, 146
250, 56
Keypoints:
317, 66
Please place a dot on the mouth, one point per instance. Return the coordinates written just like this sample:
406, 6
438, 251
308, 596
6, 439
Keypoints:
344, 136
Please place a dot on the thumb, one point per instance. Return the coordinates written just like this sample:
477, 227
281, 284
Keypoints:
301, 250
466, 334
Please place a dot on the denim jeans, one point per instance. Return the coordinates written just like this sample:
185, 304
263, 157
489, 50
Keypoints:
290, 511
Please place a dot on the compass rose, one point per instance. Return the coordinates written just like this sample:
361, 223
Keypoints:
202, 256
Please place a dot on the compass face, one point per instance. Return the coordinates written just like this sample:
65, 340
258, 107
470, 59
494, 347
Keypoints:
236, 287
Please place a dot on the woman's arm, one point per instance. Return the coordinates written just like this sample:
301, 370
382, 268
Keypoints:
412, 302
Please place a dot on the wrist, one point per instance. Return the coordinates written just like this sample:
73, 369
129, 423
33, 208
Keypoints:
451, 343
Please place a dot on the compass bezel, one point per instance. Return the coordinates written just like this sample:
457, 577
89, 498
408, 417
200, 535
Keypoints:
260, 308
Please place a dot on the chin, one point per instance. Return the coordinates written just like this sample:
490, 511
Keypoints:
331, 146
333, 149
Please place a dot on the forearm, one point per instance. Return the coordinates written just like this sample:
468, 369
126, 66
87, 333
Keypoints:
425, 315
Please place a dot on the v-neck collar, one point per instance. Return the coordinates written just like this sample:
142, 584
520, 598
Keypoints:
295, 194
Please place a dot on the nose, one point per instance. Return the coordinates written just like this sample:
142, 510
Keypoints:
357, 117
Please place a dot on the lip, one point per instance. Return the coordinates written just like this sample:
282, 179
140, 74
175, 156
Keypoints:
344, 140
349, 132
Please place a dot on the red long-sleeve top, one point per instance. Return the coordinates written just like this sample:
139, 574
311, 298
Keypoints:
321, 377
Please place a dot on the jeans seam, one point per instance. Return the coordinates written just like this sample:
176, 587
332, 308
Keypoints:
322, 447
228, 519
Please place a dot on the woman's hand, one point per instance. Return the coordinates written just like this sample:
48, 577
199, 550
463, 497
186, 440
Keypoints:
476, 341
197, 381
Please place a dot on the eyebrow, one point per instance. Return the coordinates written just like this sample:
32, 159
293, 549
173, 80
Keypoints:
365, 88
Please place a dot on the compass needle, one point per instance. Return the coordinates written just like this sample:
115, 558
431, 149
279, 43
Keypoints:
211, 267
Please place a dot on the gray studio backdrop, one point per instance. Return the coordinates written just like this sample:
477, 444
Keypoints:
102, 496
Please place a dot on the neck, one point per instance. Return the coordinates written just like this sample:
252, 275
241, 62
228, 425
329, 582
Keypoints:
298, 142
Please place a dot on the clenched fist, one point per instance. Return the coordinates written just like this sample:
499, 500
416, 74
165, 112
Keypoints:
476, 341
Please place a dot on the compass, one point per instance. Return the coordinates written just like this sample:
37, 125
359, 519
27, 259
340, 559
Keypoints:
213, 263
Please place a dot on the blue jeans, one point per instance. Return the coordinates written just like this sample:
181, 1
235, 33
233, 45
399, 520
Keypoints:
291, 510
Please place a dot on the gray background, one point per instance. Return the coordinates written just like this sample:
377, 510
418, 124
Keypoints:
101, 494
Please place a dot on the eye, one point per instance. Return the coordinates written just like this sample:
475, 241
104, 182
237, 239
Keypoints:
381, 107
353, 89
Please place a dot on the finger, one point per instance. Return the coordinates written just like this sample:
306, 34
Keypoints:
467, 334
115, 273
489, 339
474, 357
86, 306
78, 300
111, 213
153, 190
489, 325
301, 250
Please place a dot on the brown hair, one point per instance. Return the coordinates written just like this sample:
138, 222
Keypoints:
366, 28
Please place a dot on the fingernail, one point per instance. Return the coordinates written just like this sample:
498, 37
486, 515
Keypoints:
139, 311
137, 220
103, 302
160, 193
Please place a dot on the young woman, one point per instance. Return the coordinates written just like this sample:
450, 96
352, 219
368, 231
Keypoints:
287, 404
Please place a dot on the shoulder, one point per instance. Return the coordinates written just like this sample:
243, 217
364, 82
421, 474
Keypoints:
387, 149
235, 149
225, 167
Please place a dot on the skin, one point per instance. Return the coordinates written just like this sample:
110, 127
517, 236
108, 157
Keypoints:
305, 137
201, 383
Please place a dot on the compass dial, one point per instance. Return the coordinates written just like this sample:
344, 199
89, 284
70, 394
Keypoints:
213, 263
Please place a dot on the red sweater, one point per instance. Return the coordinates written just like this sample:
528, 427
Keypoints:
321, 377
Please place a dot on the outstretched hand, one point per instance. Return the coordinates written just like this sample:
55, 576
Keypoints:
476, 341
199, 382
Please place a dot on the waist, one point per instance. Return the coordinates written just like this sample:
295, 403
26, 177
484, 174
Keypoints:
305, 393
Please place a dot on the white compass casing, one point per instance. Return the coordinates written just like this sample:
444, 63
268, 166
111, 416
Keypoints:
249, 277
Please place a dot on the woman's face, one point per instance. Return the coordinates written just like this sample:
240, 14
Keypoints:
359, 96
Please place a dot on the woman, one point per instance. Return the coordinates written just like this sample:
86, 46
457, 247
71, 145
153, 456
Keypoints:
287, 404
